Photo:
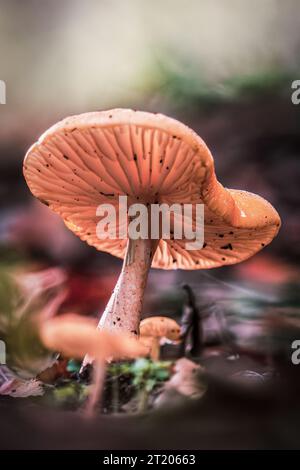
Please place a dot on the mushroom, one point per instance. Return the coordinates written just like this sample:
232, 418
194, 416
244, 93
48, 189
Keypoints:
93, 158
155, 329
74, 336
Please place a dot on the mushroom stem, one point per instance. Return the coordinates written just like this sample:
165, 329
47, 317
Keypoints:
124, 308
155, 349
97, 390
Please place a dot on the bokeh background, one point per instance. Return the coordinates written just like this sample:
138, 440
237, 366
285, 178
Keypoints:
223, 67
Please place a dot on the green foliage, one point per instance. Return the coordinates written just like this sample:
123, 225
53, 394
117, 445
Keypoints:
145, 372
18, 329
145, 375
69, 394
180, 84
148, 374
73, 366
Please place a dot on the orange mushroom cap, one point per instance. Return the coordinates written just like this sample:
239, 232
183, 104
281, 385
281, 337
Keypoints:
160, 327
92, 158
76, 336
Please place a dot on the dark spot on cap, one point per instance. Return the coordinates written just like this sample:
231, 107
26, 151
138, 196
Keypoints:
221, 235
227, 247
135, 157
66, 157
107, 194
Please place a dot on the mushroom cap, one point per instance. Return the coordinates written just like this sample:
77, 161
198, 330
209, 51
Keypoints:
93, 158
76, 336
160, 327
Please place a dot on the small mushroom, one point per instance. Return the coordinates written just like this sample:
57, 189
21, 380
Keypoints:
74, 336
93, 158
153, 330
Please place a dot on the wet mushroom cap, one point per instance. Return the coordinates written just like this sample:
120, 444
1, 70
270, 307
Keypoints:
160, 327
93, 158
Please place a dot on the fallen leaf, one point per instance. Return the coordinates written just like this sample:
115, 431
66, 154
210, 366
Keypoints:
15, 387
185, 379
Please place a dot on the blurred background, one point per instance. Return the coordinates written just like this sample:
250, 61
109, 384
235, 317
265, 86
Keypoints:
225, 68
